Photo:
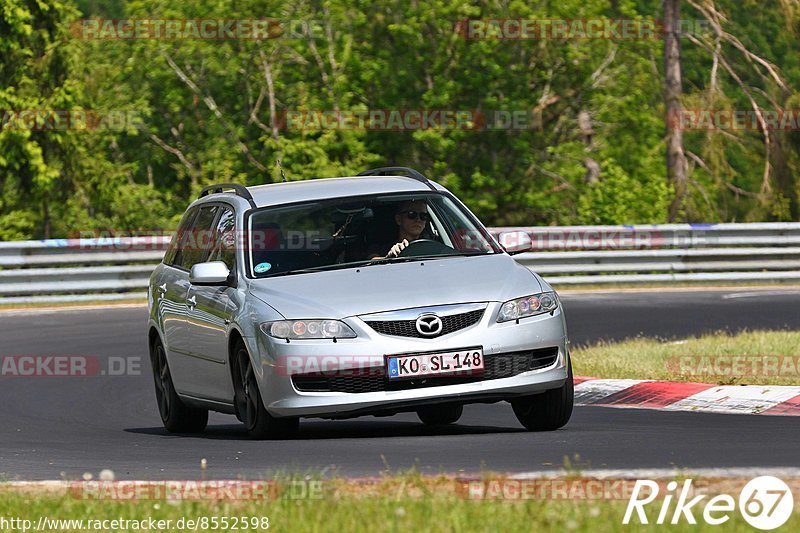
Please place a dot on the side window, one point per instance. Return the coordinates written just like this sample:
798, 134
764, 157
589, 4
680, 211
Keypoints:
224, 244
465, 236
196, 242
172, 256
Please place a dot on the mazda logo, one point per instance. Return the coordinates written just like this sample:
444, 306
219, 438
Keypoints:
429, 325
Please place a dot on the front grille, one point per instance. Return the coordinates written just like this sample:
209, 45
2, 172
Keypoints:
497, 366
408, 328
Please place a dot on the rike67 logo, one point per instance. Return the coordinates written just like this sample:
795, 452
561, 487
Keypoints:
765, 503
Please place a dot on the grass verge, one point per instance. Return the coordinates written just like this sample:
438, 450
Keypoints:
754, 358
44, 306
393, 503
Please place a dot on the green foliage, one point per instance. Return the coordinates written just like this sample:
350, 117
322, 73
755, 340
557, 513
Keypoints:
17, 225
204, 112
621, 199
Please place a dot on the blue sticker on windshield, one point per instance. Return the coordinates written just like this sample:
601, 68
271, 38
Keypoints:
262, 267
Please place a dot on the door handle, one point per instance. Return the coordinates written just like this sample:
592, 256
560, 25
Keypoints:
192, 301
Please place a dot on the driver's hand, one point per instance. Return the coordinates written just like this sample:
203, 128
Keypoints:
397, 248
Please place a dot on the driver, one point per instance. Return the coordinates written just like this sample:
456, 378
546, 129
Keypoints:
411, 218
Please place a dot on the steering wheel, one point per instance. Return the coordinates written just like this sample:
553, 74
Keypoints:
424, 247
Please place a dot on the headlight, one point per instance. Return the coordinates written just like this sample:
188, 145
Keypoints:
536, 304
308, 329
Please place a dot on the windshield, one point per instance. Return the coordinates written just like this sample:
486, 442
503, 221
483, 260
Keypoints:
344, 232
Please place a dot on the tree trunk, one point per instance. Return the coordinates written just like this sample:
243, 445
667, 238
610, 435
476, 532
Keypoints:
587, 134
676, 158
783, 175
46, 218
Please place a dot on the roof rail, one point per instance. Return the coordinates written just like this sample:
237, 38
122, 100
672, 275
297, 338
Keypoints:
389, 171
239, 189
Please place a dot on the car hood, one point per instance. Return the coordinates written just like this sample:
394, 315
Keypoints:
385, 287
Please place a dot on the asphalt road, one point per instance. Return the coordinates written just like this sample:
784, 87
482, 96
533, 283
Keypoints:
54, 427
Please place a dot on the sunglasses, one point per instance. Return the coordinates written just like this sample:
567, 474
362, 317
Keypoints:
414, 215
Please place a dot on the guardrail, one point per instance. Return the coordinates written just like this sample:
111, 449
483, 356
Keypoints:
118, 268
668, 253
69, 270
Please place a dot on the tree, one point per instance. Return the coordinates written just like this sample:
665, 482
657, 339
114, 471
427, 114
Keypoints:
676, 159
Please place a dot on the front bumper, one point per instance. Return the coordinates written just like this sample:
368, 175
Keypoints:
281, 398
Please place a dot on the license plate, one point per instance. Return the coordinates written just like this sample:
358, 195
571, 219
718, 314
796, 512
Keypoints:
461, 362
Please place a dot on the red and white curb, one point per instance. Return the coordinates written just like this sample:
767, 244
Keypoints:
678, 396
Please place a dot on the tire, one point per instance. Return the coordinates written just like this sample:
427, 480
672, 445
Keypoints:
176, 416
247, 400
440, 415
549, 410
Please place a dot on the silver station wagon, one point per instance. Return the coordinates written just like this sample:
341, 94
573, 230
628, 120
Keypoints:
367, 295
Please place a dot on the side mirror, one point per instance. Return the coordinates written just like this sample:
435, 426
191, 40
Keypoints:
515, 242
210, 273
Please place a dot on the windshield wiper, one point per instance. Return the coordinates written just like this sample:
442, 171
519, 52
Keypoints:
465, 254
386, 260
322, 268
